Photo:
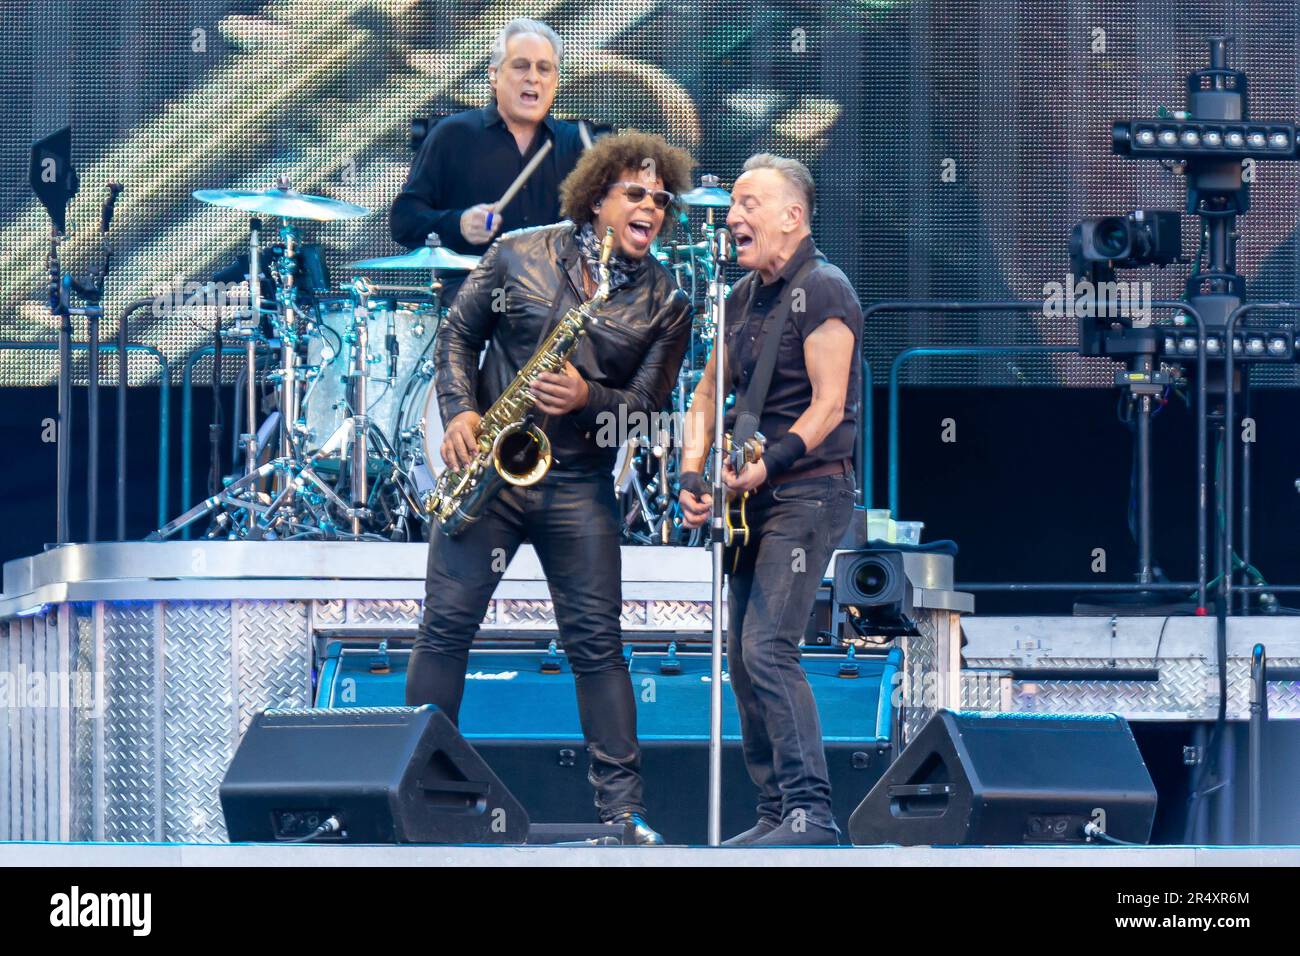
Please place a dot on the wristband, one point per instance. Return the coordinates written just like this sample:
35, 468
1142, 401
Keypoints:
693, 481
783, 453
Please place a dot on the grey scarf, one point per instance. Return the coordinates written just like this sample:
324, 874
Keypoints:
622, 270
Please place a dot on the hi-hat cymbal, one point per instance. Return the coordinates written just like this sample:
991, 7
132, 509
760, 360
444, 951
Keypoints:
706, 196
425, 258
284, 202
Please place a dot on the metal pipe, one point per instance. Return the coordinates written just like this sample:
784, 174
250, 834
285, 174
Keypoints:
360, 420
1229, 410
1258, 715
863, 459
187, 425
1050, 586
719, 511
123, 381
1146, 560
187, 417
63, 451
92, 423
1245, 503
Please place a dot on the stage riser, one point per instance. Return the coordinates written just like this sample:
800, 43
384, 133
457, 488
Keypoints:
188, 641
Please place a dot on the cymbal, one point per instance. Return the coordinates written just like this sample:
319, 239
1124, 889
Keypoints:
425, 258
284, 202
707, 197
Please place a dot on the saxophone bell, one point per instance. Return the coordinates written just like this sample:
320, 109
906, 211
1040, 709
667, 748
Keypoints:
521, 454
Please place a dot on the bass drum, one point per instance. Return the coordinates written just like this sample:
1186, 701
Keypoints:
419, 432
389, 384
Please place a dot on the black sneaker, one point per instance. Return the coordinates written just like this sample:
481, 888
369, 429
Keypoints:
762, 828
796, 832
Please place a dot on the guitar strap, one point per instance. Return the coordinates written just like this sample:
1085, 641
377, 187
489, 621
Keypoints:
749, 407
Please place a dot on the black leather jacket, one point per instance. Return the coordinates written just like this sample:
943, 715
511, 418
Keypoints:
630, 358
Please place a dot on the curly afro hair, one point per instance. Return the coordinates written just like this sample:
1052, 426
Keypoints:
606, 162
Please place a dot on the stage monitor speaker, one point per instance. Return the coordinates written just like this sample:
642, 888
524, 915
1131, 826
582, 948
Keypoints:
387, 774
996, 779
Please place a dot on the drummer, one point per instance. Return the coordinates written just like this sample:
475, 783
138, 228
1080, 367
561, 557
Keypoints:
468, 161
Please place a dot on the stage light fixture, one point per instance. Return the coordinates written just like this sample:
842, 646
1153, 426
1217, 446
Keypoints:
1190, 139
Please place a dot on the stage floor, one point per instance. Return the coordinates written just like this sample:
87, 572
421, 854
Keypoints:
262, 855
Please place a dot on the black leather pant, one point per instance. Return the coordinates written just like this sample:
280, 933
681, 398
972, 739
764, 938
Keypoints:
795, 527
572, 523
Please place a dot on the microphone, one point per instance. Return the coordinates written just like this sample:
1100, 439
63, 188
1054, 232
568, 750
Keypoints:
722, 243
106, 211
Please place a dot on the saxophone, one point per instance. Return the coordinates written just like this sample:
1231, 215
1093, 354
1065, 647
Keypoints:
511, 449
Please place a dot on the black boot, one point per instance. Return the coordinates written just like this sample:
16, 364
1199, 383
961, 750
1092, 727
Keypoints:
642, 833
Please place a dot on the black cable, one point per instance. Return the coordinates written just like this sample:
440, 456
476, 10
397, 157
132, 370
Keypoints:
1093, 832
332, 825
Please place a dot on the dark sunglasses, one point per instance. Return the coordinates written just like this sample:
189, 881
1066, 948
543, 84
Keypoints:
635, 192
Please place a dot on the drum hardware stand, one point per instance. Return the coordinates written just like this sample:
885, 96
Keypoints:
287, 322
358, 424
250, 331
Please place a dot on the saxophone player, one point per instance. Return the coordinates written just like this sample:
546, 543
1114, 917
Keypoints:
627, 363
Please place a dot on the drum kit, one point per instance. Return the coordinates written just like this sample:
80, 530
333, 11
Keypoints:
350, 442
648, 465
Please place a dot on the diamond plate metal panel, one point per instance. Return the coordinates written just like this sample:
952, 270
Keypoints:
199, 718
1283, 699
384, 612
686, 615
634, 614
55, 667
1185, 689
130, 751
273, 656
920, 664
520, 612
82, 630
988, 691
325, 613
28, 808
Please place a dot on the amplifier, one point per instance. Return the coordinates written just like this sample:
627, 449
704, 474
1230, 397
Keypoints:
520, 713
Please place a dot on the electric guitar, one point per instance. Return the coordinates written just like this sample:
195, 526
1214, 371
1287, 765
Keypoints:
735, 524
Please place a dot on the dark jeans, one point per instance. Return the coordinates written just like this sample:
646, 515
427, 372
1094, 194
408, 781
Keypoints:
572, 523
794, 529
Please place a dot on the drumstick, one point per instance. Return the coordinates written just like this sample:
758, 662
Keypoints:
518, 184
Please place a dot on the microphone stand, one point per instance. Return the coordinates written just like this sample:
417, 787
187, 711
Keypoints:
61, 288
58, 294
719, 305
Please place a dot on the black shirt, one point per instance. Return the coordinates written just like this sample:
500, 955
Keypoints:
827, 294
472, 158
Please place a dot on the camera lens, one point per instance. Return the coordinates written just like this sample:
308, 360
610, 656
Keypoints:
1111, 238
871, 578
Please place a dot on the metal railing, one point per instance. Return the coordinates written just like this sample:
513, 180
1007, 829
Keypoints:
164, 405
1202, 474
